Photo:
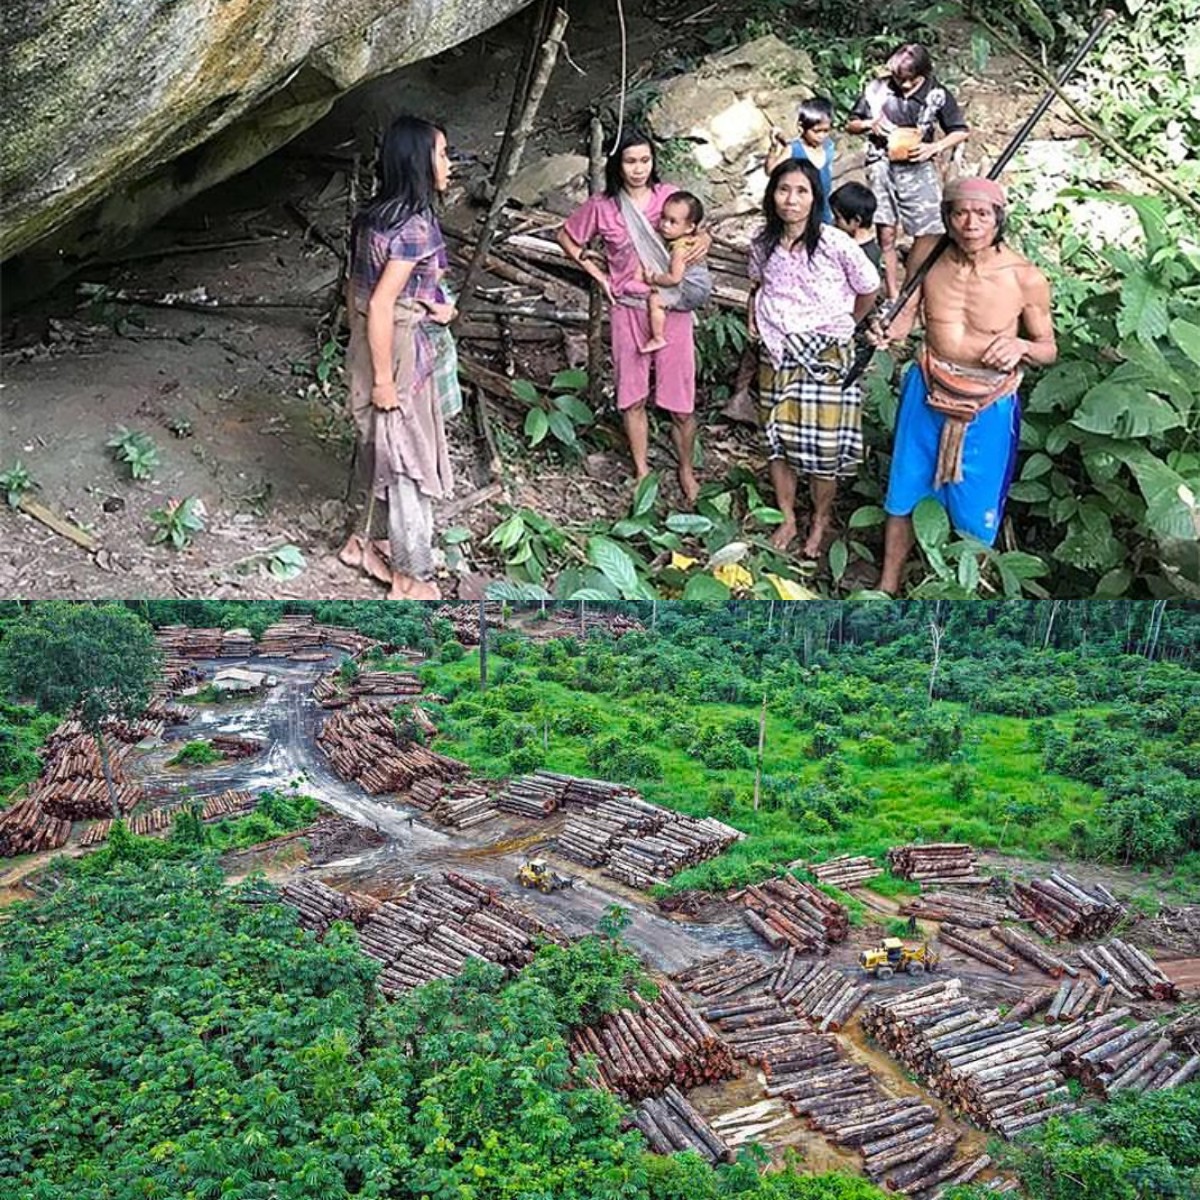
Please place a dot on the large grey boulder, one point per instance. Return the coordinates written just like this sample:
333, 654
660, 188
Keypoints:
116, 111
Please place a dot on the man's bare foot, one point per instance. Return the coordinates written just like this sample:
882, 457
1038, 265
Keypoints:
351, 553
688, 484
373, 563
739, 407
818, 534
783, 537
654, 344
404, 587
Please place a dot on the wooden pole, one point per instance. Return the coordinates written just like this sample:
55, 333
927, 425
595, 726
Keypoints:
508, 169
595, 336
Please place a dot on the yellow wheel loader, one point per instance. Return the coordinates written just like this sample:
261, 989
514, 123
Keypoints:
537, 874
892, 955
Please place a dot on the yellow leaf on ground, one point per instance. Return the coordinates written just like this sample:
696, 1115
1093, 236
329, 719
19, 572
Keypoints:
681, 562
789, 589
734, 576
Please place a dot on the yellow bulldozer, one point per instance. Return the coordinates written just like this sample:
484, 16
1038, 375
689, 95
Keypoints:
892, 955
536, 873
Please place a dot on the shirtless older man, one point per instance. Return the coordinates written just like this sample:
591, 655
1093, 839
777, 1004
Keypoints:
986, 314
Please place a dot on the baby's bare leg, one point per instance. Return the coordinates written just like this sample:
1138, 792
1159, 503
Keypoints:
658, 323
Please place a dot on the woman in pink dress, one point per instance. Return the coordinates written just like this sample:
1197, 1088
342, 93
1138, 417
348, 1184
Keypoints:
809, 284
634, 193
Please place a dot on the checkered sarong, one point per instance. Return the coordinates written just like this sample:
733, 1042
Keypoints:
808, 418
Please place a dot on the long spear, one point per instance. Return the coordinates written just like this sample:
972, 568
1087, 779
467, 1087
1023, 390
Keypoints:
863, 358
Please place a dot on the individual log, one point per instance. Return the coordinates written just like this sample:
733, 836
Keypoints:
985, 952
845, 871
1029, 950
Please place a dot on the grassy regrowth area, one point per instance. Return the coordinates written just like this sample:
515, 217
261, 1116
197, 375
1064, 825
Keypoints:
993, 792
200, 753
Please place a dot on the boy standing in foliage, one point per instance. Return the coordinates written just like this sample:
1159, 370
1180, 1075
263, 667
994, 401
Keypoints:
956, 433
900, 115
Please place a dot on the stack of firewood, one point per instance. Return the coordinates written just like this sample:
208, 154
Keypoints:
994, 1071
938, 862
232, 746
1130, 970
846, 871
433, 931
1034, 952
670, 1123
362, 744
26, 828
459, 805
1062, 906
1108, 1057
786, 912
726, 974
385, 683
642, 1051
962, 908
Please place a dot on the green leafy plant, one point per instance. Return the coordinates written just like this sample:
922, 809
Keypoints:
530, 544
559, 412
135, 451
721, 337
15, 482
178, 522
286, 562
200, 753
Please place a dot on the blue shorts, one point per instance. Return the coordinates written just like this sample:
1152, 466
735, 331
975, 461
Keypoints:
976, 504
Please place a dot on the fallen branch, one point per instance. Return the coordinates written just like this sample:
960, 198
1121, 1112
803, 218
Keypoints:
60, 525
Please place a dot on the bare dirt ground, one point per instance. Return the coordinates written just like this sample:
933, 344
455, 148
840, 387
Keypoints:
230, 397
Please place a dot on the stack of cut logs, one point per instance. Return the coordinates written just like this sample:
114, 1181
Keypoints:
291, 634
186, 642
328, 693
1130, 970
362, 744
726, 974
532, 795
1033, 952
163, 710
465, 619
590, 837
846, 871
615, 624
1108, 1057
962, 908
993, 1070
350, 640
459, 805
231, 803
642, 1051
232, 746
317, 904
385, 683
433, 931
72, 785
683, 841
785, 912
1061, 906
939, 862
824, 995
670, 1123
27, 828
175, 673
979, 947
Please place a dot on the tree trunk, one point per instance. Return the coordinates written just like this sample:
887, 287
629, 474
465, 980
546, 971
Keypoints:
483, 631
762, 738
102, 746
935, 633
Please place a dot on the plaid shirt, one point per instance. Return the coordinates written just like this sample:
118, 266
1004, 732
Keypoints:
419, 240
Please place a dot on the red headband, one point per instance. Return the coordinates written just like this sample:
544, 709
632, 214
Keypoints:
976, 189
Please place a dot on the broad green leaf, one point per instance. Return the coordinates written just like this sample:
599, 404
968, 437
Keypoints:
537, 425
1063, 386
705, 588
968, 573
573, 380
689, 523
632, 526
456, 535
839, 556
575, 409
1058, 439
1028, 491
766, 515
1036, 465
525, 391
508, 589
1113, 584
867, 516
645, 497
931, 525
1169, 513
584, 593
616, 564
1150, 211
287, 562
562, 428
514, 531
1024, 566
1186, 336
1143, 311
1124, 410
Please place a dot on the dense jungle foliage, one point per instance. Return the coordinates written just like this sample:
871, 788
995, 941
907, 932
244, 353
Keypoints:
165, 1036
